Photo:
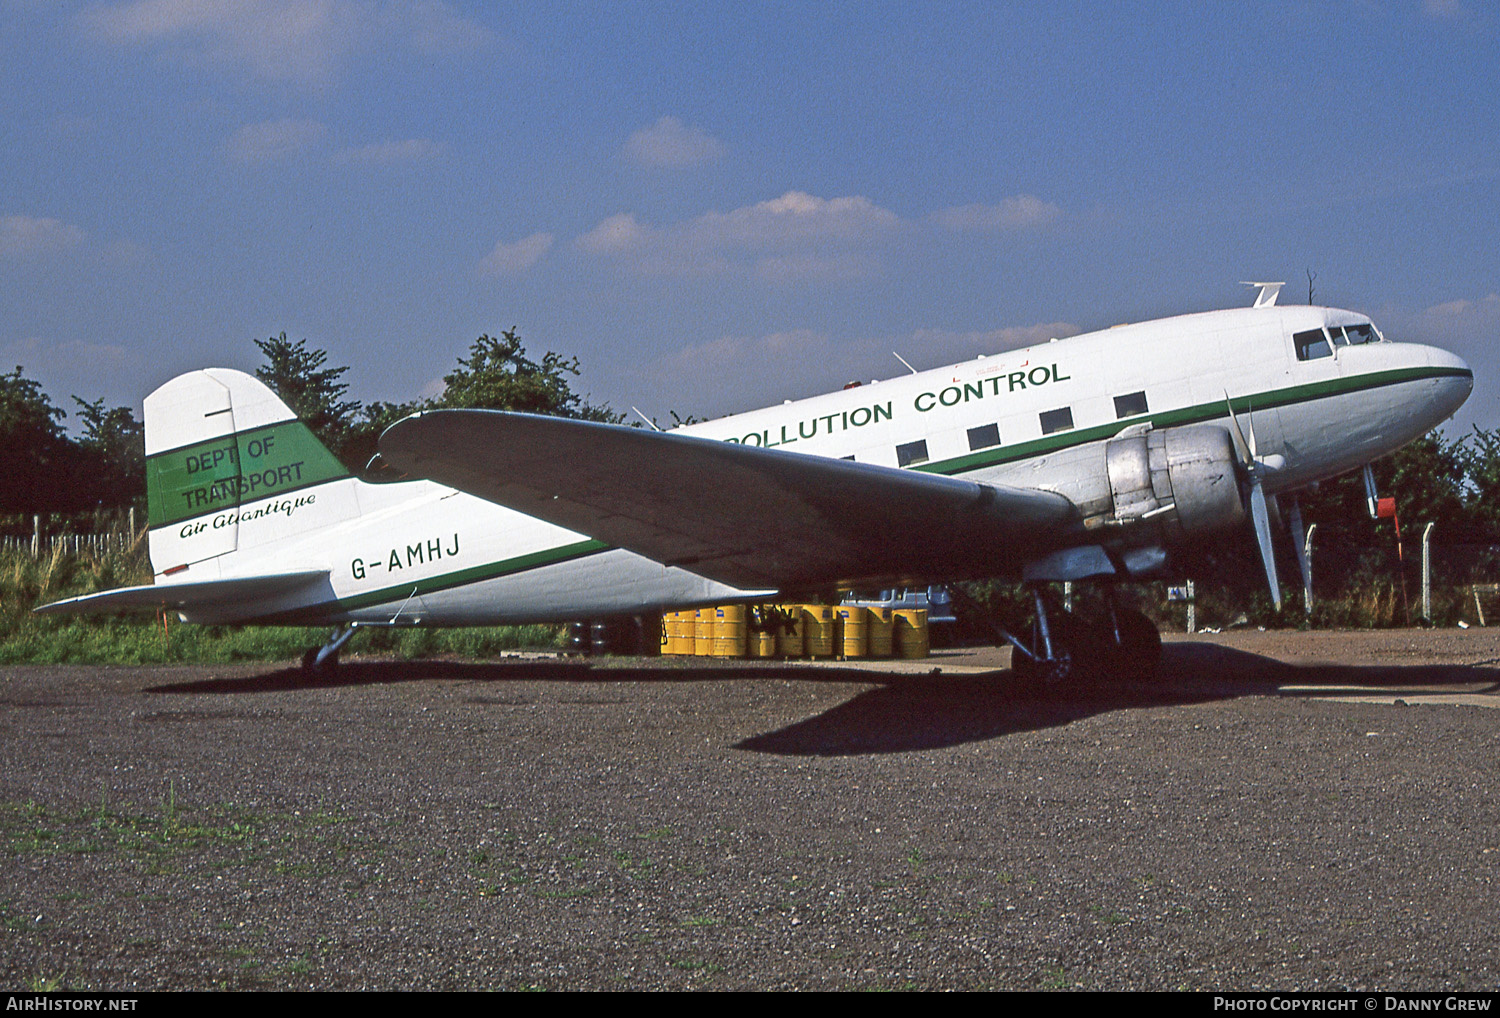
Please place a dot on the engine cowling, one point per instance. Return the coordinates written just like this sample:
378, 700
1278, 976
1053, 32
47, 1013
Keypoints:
1182, 480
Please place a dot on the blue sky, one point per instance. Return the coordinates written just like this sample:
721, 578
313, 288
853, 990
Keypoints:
720, 206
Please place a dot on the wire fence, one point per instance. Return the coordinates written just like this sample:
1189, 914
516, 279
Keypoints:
67, 544
44, 535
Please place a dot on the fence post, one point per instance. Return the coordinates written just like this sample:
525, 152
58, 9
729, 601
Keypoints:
1307, 597
36, 536
1427, 572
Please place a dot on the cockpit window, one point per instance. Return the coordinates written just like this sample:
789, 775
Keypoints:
1360, 334
1312, 344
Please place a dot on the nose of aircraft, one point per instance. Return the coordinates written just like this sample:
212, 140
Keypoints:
1455, 380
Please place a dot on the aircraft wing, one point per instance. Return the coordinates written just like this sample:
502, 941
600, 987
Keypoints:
186, 596
753, 518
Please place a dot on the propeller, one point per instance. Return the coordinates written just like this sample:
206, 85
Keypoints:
1299, 545
1253, 469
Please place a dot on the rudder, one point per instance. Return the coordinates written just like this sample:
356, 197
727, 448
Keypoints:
230, 468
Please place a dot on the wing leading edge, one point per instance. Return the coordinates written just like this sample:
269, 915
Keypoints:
753, 518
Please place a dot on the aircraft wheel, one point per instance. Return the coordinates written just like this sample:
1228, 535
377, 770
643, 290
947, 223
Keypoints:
1138, 653
310, 662
1064, 663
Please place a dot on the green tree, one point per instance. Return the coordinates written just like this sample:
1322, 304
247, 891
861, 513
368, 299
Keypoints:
497, 375
36, 458
313, 392
113, 446
1480, 455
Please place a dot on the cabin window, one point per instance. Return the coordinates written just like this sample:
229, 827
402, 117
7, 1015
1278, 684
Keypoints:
912, 453
1130, 405
984, 437
1312, 344
1057, 420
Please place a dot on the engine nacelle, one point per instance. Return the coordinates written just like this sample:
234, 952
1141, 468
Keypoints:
1183, 480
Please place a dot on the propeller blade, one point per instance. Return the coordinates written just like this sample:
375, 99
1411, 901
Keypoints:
1243, 449
1260, 514
1299, 542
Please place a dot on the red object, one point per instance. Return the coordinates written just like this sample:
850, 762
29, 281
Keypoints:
1385, 508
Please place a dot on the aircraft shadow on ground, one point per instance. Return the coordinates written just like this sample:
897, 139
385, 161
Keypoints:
380, 673
930, 712
905, 712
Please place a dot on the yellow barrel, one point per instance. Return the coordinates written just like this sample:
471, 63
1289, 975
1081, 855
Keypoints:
911, 632
789, 630
817, 630
854, 630
882, 631
729, 631
761, 639
703, 632
680, 632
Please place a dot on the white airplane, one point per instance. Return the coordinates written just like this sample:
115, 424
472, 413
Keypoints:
1085, 458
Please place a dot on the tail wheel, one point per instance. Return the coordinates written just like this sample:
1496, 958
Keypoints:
310, 662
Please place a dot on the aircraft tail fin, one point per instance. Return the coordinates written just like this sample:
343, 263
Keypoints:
230, 469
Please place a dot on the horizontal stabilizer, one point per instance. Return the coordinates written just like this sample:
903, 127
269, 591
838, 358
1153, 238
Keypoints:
750, 517
186, 596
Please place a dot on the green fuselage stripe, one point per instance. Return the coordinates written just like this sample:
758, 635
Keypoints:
1188, 415
444, 581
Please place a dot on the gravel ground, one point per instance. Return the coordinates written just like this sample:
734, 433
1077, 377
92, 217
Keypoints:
535, 823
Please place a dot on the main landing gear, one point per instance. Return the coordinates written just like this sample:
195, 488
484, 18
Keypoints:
1120, 643
323, 660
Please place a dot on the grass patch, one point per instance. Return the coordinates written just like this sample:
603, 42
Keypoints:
144, 639
170, 837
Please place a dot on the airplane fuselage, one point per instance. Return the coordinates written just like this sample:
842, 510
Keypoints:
1319, 390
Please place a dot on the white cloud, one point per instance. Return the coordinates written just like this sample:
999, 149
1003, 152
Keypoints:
617, 233
508, 259
28, 236
1443, 8
796, 218
299, 41
1015, 213
389, 153
1465, 310
796, 236
671, 143
273, 141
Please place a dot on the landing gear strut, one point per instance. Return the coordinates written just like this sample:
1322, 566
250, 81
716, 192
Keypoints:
1050, 658
1122, 643
324, 659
